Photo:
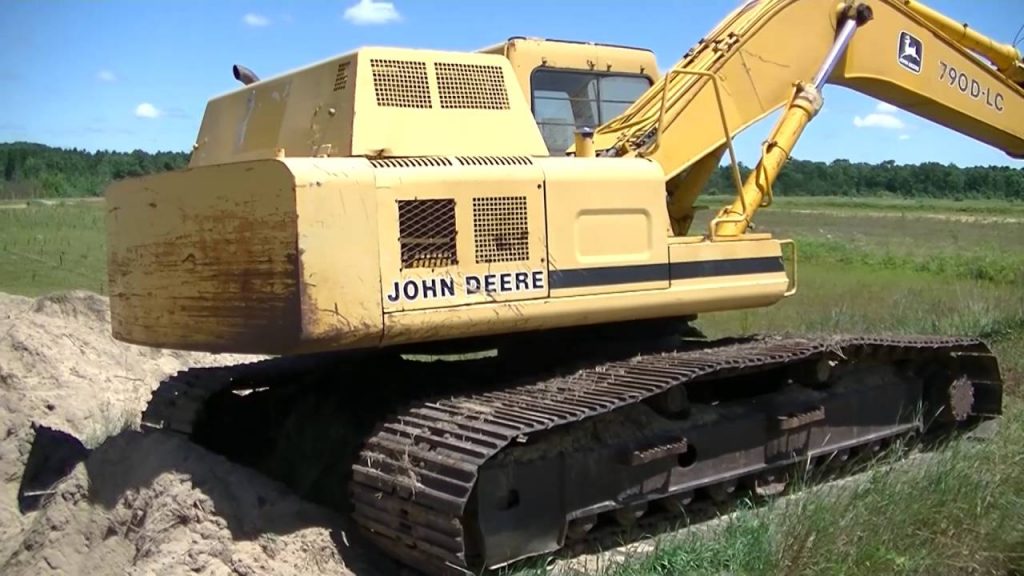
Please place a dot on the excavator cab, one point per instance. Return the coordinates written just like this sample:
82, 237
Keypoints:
576, 85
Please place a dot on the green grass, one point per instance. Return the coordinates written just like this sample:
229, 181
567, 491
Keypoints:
855, 298
866, 266
45, 248
992, 265
883, 204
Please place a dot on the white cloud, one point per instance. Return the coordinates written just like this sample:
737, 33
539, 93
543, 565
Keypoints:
904, 136
106, 76
147, 110
256, 20
372, 12
878, 120
885, 108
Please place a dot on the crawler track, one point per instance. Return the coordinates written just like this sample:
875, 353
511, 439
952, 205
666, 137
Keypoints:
464, 481
428, 489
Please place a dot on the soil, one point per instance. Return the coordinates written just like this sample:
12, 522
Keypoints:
139, 504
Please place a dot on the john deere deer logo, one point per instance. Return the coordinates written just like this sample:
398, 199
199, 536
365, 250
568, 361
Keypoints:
910, 52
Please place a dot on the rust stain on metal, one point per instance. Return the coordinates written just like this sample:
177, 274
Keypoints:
219, 276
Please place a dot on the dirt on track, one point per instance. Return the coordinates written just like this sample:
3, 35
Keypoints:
139, 504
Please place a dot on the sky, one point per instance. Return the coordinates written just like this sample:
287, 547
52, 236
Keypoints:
122, 74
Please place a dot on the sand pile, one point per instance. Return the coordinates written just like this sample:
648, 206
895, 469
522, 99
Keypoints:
154, 504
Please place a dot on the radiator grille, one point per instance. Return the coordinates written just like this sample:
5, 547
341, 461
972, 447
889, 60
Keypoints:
400, 83
471, 86
426, 230
341, 78
500, 232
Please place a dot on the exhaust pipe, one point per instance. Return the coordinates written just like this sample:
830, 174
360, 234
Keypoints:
244, 75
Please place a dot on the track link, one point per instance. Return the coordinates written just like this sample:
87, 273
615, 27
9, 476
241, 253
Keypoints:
437, 485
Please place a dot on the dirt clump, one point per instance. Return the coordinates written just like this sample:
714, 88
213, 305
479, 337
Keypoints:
139, 504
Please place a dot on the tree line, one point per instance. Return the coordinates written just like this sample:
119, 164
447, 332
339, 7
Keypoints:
861, 179
39, 171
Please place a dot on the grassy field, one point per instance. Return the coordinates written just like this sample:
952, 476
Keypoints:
865, 266
44, 248
945, 208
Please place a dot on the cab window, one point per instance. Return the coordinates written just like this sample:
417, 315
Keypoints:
565, 101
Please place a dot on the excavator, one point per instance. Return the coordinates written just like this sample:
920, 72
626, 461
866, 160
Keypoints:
474, 277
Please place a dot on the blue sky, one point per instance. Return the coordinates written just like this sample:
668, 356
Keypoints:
120, 74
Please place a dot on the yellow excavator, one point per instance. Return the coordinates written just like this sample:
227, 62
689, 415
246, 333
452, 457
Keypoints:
476, 274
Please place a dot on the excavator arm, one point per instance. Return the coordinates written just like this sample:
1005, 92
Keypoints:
772, 54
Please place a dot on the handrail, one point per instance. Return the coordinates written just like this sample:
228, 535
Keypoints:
655, 143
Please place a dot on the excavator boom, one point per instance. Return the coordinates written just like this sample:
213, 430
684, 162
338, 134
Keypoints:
901, 52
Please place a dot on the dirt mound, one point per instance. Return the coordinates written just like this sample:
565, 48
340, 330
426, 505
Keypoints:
153, 504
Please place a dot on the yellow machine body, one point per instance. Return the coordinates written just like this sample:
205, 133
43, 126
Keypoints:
288, 255
253, 250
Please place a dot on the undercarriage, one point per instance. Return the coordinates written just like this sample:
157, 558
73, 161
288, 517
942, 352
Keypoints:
472, 463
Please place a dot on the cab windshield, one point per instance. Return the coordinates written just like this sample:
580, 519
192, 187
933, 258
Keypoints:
564, 101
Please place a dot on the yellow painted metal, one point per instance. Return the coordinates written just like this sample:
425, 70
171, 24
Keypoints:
1006, 58
482, 195
584, 147
952, 88
253, 255
683, 189
733, 220
375, 102
682, 196
604, 213
682, 297
793, 276
300, 254
758, 71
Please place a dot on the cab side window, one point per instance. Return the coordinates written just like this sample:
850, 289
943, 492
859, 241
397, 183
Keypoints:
565, 101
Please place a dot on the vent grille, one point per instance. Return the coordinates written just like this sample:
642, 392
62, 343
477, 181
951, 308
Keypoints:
438, 161
500, 231
495, 160
426, 230
400, 83
341, 78
471, 86
411, 162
